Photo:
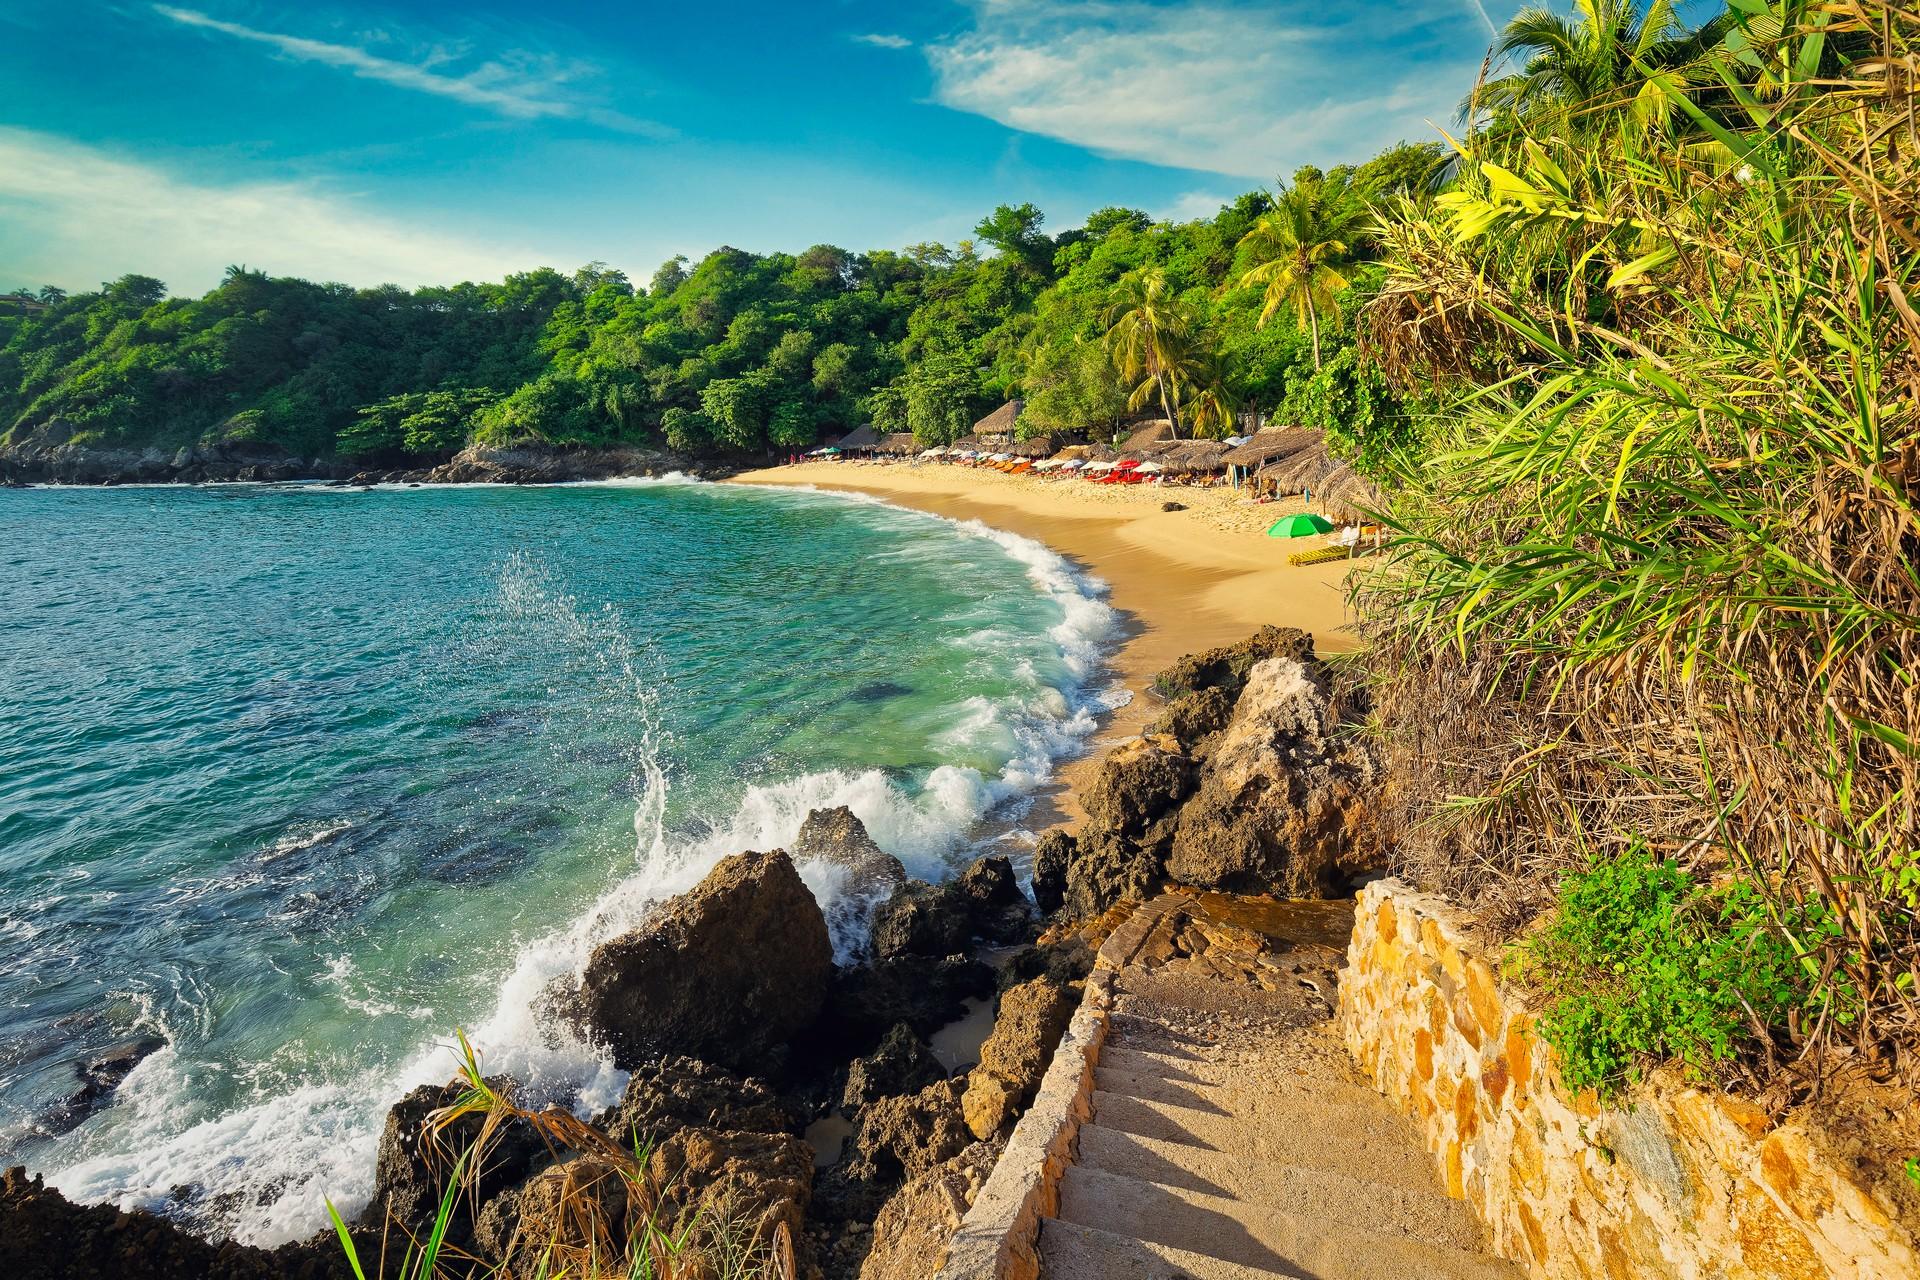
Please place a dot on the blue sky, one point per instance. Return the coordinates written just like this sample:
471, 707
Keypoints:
405, 141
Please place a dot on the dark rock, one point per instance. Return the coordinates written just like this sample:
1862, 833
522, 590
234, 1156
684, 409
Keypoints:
728, 973
879, 691
921, 919
411, 1170
921, 1219
1000, 912
1282, 806
899, 1137
760, 1182
43, 1236
1192, 718
837, 837
99, 1075
1062, 962
1052, 856
902, 1064
1138, 785
1226, 667
1173, 506
925, 992
667, 1094
563, 1221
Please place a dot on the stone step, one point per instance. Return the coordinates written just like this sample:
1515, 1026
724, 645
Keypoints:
1425, 1215
1363, 1143
1069, 1251
1250, 1235
1186, 1089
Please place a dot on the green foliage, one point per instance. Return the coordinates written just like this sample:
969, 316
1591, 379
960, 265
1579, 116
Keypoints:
420, 422
1639, 963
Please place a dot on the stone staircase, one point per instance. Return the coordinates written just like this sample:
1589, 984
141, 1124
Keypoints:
1230, 1138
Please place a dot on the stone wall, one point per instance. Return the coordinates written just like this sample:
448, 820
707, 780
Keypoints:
1672, 1182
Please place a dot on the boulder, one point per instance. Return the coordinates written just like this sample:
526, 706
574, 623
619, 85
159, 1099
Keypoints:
1192, 718
1051, 857
571, 1219
667, 1094
902, 1064
1282, 806
999, 911
899, 1137
838, 838
922, 919
727, 973
1082, 876
925, 992
1138, 785
758, 1182
99, 1076
915, 1227
413, 1163
1030, 1021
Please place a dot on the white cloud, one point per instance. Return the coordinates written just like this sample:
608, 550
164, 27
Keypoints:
520, 87
1192, 205
1244, 89
75, 215
883, 41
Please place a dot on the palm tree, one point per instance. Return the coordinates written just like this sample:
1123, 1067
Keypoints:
1210, 407
1614, 50
1302, 246
1147, 332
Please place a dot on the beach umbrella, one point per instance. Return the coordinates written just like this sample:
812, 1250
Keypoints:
1072, 464
1149, 469
1299, 526
1126, 464
931, 453
1099, 466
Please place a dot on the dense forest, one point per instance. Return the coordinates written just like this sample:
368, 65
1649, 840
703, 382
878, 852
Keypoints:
739, 352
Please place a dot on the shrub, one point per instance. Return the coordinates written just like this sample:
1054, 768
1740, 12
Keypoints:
1640, 963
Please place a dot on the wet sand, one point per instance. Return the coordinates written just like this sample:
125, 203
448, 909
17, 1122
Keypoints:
1185, 580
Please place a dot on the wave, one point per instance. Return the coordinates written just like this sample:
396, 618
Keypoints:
261, 1172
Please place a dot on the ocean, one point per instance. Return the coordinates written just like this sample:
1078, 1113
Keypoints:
301, 779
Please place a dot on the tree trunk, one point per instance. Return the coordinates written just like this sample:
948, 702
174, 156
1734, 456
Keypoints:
1313, 322
1167, 403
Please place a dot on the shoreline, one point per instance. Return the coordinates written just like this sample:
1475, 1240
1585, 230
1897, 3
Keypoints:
1182, 581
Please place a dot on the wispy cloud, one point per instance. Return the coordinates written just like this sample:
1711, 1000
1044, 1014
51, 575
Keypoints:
519, 86
76, 214
1228, 86
881, 40
1190, 205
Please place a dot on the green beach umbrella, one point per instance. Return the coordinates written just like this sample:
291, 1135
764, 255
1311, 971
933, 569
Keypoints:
1299, 526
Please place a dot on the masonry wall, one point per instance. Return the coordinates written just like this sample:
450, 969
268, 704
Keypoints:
1674, 1182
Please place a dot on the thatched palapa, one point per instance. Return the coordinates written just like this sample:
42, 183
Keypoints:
899, 443
859, 440
1000, 421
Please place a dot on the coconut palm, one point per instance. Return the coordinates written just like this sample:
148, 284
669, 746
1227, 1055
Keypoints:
1147, 338
1612, 52
1302, 246
1209, 405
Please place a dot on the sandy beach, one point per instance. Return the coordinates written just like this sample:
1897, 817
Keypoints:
1186, 580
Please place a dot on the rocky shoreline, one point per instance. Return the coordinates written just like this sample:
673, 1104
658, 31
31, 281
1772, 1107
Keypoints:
42, 462
750, 1049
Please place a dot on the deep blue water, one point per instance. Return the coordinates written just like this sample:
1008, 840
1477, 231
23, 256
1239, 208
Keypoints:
303, 778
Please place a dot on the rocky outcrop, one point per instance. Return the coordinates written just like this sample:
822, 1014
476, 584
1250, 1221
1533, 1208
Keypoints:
729, 972
1254, 779
99, 1075
923, 919
913, 1227
1029, 1023
900, 1137
760, 1183
44, 1236
536, 464
1282, 802
837, 838
925, 992
667, 1094
49, 459
902, 1064
563, 1221
416, 1160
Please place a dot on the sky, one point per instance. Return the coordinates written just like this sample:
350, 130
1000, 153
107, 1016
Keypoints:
410, 142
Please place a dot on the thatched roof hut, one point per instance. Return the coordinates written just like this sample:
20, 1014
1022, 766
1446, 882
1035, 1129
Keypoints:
1155, 432
1000, 421
900, 443
859, 439
1271, 445
1338, 490
1032, 447
1193, 457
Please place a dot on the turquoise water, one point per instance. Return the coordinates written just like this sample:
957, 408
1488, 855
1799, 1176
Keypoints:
302, 778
